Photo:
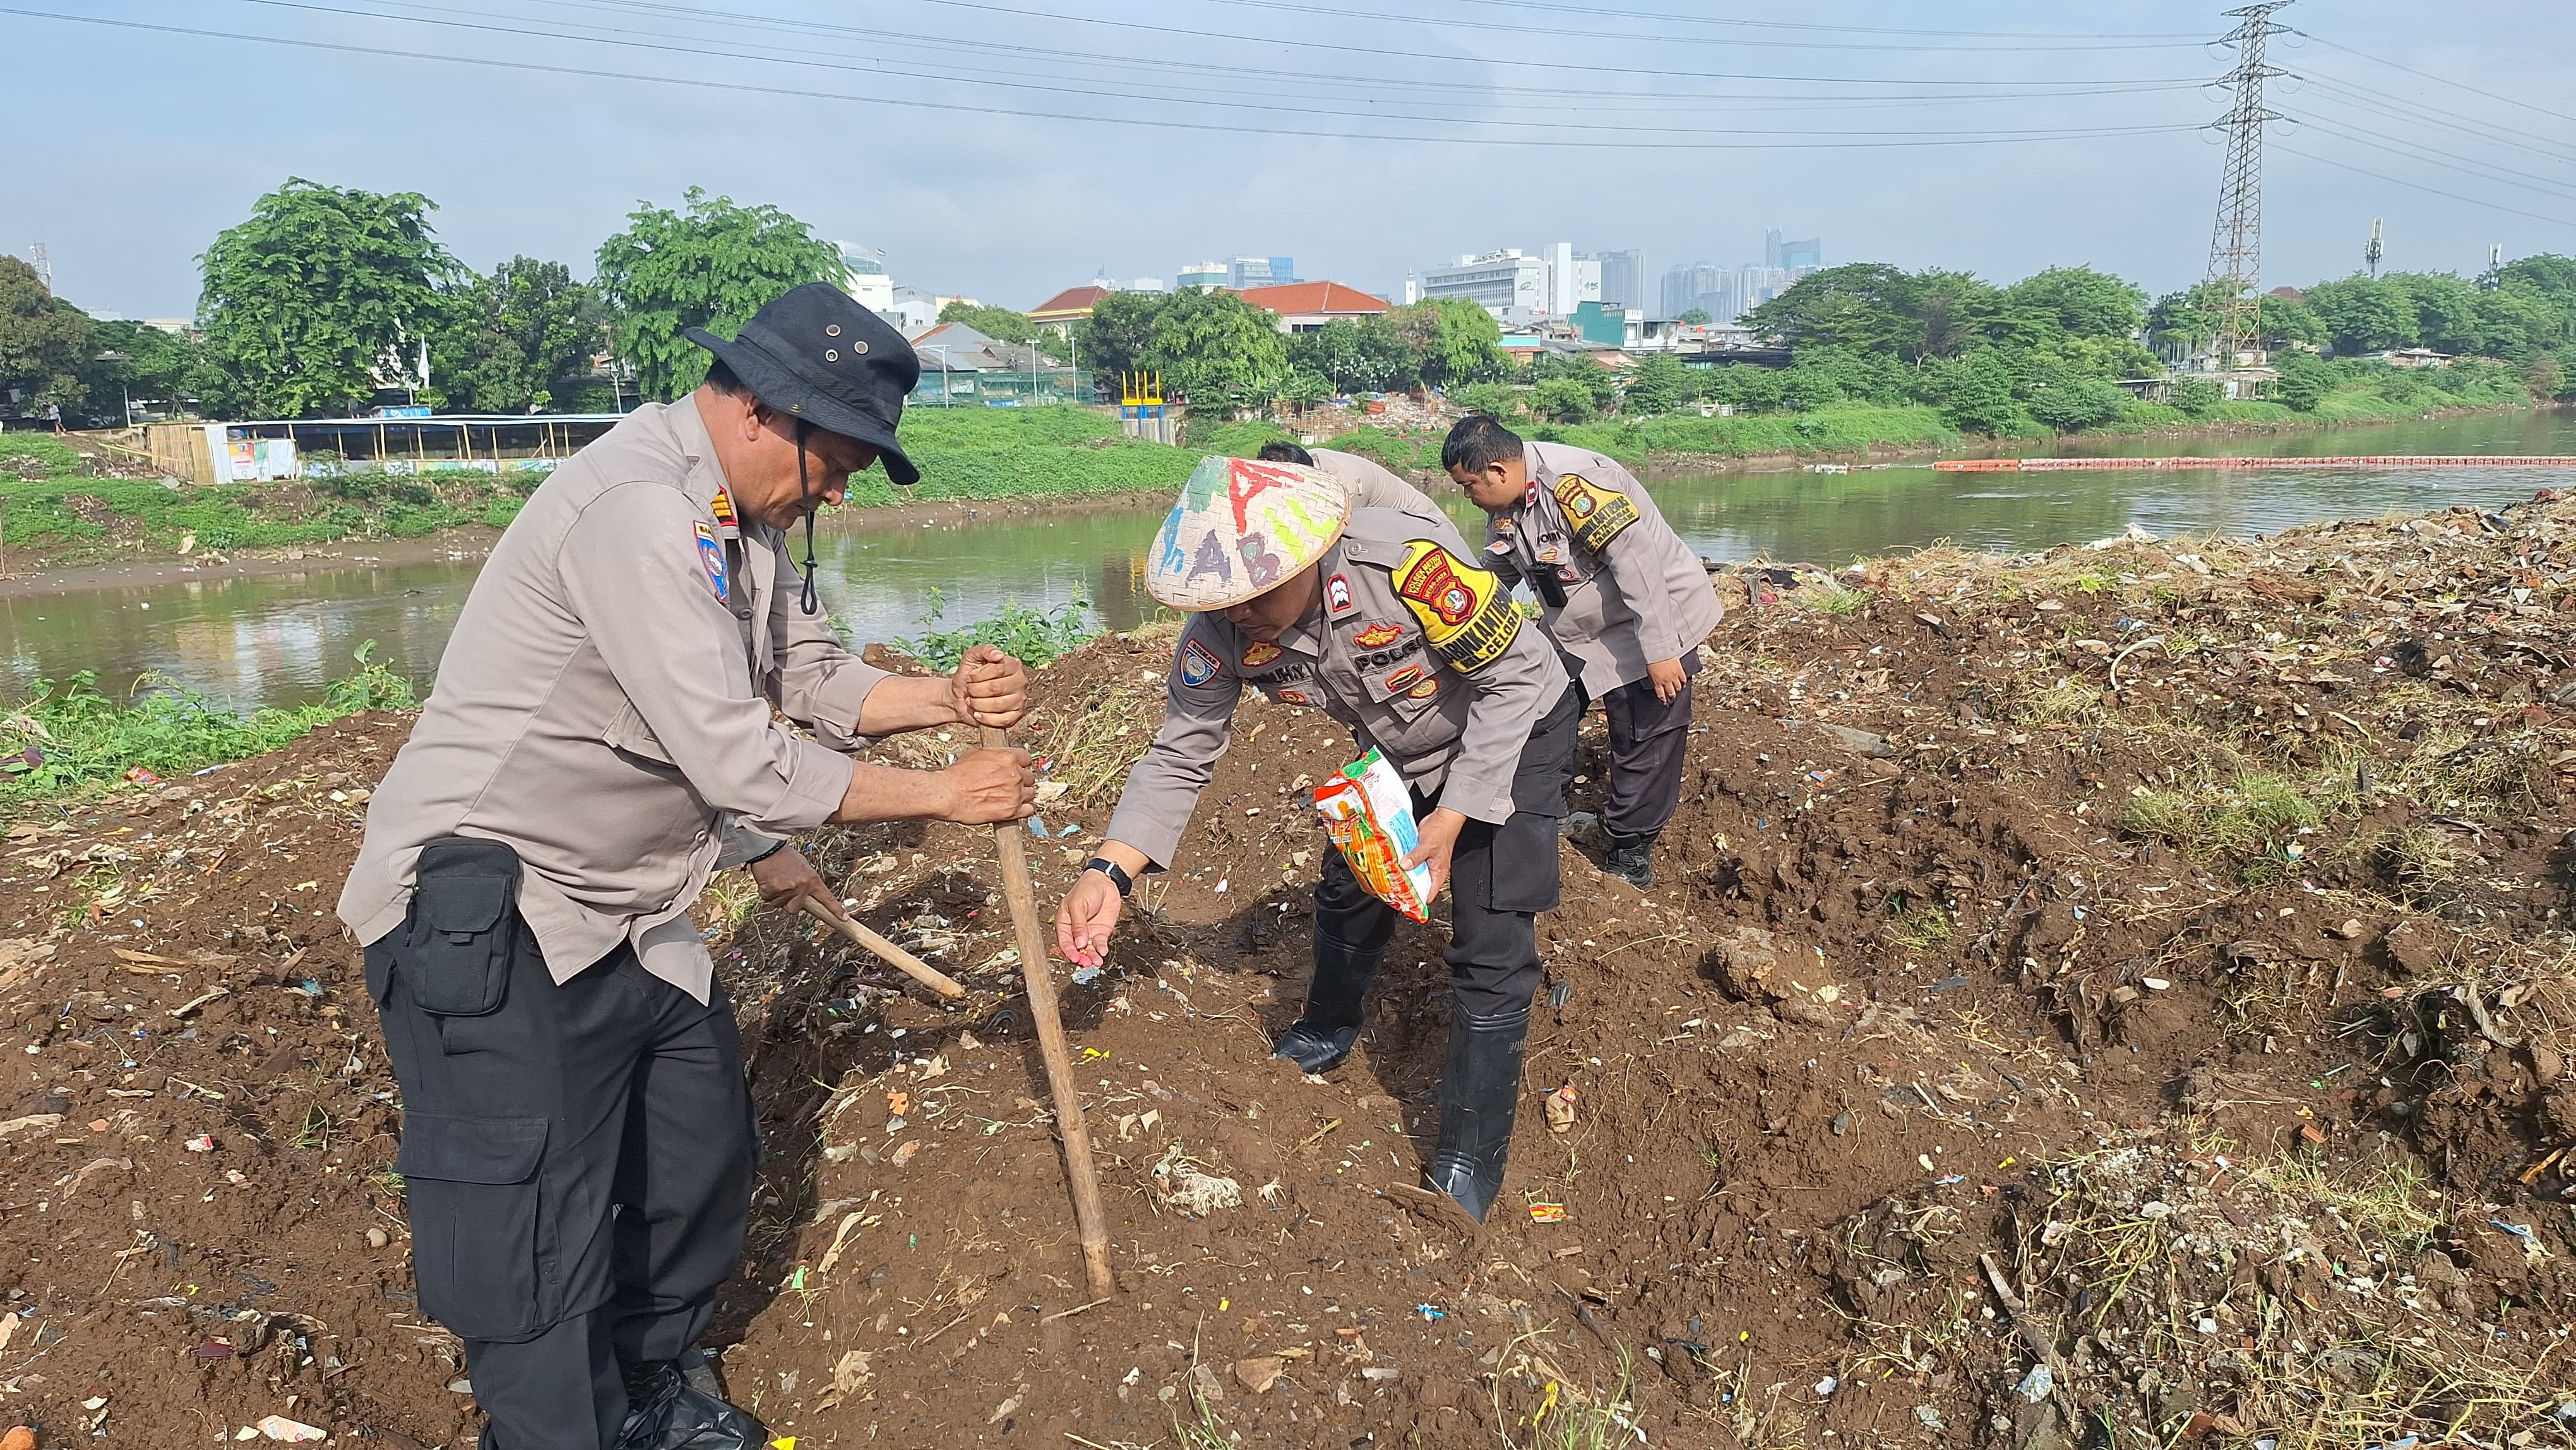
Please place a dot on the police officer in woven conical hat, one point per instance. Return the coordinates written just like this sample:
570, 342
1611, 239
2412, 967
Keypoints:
1378, 619
578, 1139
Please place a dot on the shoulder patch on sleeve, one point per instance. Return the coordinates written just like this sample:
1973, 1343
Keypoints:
1465, 612
711, 554
1596, 514
1197, 664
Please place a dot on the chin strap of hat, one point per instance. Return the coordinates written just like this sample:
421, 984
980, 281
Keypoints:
805, 500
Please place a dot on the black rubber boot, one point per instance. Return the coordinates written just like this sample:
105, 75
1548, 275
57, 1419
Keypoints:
1323, 1035
664, 1412
1479, 1098
1631, 858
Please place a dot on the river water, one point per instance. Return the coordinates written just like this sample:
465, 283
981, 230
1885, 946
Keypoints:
278, 639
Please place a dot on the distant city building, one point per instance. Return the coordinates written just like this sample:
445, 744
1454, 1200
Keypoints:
1307, 306
1519, 288
913, 310
864, 276
1236, 274
1801, 257
1130, 284
1204, 275
1600, 322
1727, 293
1700, 285
1623, 279
1511, 284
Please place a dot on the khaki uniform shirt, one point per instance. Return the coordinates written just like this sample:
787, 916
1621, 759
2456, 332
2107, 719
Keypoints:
1616, 586
1374, 486
1419, 651
604, 707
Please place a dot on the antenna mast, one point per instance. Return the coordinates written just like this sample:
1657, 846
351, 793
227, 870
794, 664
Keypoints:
2372, 250
2236, 247
44, 265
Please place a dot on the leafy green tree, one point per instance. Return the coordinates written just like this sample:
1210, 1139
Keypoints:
2079, 301
2365, 315
712, 268
998, 323
2546, 377
1659, 383
1975, 394
140, 363
1305, 388
2282, 321
1866, 305
1579, 368
1564, 400
2305, 380
47, 345
520, 333
1456, 341
1370, 354
1215, 349
1494, 400
2197, 397
2446, 309
2067, 398
2185, 319
1114, 337
320, 295
1695, 317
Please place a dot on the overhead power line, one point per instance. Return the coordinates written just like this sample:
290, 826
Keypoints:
2430, 76
2419, 186
1818, 141
1588, 18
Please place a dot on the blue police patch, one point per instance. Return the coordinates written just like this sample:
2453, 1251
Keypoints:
1198, 664
711, 554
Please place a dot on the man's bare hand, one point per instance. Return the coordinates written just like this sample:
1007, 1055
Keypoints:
786, 880
988, 786
1668, 678
1439, 832
1087, 917
990, 688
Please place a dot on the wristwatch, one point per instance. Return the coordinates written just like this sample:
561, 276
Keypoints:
1116, 873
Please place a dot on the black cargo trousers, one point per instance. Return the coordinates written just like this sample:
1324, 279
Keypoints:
578, 1163
1500, 878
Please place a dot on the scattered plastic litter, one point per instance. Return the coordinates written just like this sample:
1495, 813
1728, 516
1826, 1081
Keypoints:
1547, 1213
2034, 1386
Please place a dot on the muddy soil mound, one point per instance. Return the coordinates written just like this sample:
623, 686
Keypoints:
2117, 993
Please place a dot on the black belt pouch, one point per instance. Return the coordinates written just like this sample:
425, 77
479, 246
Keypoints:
464, 933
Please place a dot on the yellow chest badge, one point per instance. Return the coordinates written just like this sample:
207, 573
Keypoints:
1257, 654
1463, 610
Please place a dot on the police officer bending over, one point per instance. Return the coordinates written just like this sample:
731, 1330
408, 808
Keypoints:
578, 1140
1376, 618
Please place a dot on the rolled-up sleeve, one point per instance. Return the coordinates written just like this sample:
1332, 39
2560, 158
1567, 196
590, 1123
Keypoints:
821, 684
1506, 701
634, 570
1198, 723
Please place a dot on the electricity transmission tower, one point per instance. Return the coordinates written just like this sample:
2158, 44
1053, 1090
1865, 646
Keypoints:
2236, 247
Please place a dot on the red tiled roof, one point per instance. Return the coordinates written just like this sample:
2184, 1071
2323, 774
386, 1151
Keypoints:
1071, 302
1312, 299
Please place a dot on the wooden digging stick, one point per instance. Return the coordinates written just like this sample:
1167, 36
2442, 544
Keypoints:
1017, 888
910, 965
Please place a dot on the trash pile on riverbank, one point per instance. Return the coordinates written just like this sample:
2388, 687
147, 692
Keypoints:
2120, 992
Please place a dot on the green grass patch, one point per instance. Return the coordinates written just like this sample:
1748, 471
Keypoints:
1006, 453
67, 514
1839, 428
2252, 825
72, 740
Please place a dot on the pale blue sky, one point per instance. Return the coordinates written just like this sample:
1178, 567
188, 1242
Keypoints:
132, 146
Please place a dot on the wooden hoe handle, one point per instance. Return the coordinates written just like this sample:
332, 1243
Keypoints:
1021, 892
910, 965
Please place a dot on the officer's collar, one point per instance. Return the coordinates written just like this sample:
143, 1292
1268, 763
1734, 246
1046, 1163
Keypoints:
705, 481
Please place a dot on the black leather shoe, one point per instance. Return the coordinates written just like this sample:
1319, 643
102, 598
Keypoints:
1323, 1035
1479, 1099
664, 1413
1631, 859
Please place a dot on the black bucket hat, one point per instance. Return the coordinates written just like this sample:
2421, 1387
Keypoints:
817, 355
